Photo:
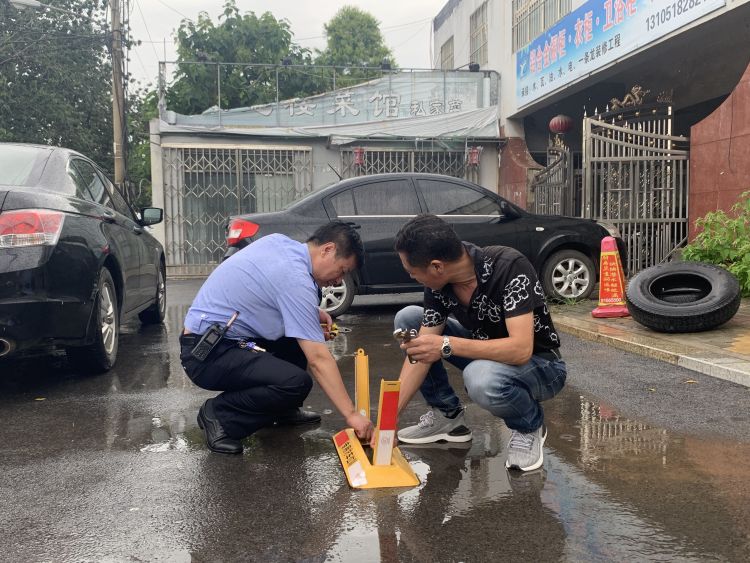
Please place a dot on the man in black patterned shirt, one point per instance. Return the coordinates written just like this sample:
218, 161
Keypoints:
500, 335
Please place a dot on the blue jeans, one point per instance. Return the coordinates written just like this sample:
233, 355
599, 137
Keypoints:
513, 393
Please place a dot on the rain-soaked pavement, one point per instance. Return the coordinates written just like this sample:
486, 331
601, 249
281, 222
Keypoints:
644, 462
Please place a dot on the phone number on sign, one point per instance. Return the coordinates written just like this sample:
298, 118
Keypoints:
676, 9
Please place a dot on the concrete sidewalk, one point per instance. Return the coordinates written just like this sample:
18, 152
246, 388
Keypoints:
723, 352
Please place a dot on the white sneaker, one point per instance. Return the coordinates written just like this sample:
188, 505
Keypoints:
525, 451
434, 426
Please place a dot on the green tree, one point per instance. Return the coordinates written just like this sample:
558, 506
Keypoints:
353, 41
55, 77
239, 38
142, 108
725, 240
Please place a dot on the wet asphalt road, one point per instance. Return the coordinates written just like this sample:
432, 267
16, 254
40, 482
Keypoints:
643, 462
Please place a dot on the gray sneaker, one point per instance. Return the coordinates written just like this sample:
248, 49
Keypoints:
525, 451
434, 426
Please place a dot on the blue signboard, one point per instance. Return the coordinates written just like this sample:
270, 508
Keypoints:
595, 35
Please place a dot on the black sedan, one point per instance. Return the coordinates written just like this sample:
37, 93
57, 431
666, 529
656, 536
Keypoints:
564, 250
75, 259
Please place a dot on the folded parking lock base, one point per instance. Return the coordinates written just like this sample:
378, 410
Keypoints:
389, 468
361, 474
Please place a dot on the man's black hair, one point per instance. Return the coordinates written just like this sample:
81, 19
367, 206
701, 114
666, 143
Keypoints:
426, 238
345, 238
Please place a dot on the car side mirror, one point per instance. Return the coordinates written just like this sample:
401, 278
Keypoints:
507, 211
151, 216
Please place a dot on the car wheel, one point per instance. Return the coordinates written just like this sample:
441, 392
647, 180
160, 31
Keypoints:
155, 313
101, 355
337, 299
568, 274
683, 296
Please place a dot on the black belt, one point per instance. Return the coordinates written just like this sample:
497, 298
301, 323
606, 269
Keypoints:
190, 339
550, 355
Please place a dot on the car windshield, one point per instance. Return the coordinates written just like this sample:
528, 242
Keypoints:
21, 166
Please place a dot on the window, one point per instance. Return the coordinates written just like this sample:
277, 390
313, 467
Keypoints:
446, 55
22, 166
531, 18
395, 197
443, 198
82, 189
343, 203
119, 202
91, 180
478, 30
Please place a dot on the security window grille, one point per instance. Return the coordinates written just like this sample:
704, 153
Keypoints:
375, 161
478, 30
446, 55
531, 18
204, 186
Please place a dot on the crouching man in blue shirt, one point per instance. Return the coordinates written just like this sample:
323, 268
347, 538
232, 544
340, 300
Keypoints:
261, 364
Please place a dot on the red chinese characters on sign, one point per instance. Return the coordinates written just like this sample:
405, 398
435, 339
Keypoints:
585, 28
554, 49
616, 11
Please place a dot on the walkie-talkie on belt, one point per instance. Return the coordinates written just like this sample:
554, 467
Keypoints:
211, 338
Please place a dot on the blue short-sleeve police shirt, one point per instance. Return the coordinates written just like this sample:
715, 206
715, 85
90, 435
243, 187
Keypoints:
270, 283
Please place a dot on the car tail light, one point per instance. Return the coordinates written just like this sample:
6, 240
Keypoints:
30, 227
239, 229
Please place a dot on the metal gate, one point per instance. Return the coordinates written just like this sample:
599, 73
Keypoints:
204, 186
457, 163
636, 176
552, 191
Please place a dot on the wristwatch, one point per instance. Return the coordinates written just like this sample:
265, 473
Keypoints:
446, 350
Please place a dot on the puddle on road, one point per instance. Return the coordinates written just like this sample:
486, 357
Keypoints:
611, 489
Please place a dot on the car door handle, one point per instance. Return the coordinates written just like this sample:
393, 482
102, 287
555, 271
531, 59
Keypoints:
108, 216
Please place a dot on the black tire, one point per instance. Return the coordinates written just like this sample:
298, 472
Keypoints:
155, 314
683, 296
337, 299
568, 275
101, 355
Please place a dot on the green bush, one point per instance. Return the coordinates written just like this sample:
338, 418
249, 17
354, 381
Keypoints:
725, 240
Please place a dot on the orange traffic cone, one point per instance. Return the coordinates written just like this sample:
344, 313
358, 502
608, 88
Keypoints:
611, 283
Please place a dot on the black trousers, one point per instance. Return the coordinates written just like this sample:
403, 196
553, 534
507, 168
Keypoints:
257, 386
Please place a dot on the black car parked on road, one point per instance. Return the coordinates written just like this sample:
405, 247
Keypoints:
75, 259
564, 250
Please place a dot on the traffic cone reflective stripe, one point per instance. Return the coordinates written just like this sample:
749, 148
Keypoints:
611, 283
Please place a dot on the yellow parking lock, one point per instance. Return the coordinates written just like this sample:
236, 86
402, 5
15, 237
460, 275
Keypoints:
389, 468
362, 383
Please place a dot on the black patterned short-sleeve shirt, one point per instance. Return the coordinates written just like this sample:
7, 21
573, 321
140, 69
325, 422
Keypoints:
507, 286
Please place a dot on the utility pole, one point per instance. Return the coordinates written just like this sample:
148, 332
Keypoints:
118, 99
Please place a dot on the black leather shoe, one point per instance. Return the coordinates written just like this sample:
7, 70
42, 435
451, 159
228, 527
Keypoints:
298, 416
216, 439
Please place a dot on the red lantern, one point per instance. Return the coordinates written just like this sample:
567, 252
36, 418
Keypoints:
359, 156
474, 153
560, 124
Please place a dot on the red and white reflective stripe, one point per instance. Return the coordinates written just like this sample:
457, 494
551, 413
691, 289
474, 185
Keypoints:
386, 428
30, 227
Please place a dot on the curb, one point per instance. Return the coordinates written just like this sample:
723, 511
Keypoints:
708, 360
